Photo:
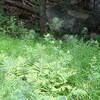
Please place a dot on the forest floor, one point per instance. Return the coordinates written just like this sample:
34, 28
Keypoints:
48, 69
43, 68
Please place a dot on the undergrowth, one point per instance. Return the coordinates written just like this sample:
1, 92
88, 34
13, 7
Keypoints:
34, 68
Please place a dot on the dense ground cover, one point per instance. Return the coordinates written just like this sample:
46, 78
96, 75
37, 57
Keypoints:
34, 68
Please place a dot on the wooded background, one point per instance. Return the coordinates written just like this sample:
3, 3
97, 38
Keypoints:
34, 11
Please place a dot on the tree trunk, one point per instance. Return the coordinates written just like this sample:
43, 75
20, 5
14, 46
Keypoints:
1, 6
42, 16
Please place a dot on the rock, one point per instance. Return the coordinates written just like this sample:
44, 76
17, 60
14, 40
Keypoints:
94, 25
75, 2
93, 36
73, 18
65, 37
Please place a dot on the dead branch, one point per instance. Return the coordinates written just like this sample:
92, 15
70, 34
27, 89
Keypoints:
25, 7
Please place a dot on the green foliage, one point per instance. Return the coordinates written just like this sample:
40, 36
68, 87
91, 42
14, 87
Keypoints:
10, 26
48, 69
94, 43
84, 33
35, 68
55, 26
